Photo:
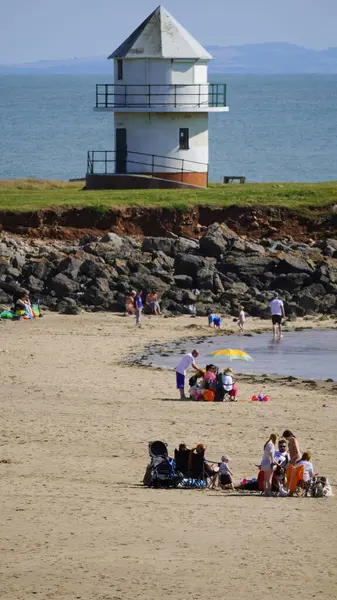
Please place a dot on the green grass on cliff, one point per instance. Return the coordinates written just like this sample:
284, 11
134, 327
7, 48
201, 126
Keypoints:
33, 194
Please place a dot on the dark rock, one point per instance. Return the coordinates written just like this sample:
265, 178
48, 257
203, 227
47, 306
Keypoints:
12, 288
34, 285
38, 268
94, 297
70, 266
215, 240
147, 283
206, 297
188, 264
238, 245
174, 307
252, 248
291, 308
174, 294
217, 284
189, 297
307, 302
92, 269
164, 276
257, 309
163, 261
294, 264
289, 281
169, 246
112, 238
62, 285
5, 251
183, 281
246, 266
19, 261
205, 278
5, 298
328, 303
13, 273
68, 306
315, 289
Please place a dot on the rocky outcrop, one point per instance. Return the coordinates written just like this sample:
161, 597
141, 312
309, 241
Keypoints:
220, 273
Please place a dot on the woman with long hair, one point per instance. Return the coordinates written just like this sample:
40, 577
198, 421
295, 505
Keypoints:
268, 463
293, 446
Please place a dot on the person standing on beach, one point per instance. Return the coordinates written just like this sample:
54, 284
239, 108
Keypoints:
138, 304
268, 463
277, 313
293, 446
242, 318
186, 362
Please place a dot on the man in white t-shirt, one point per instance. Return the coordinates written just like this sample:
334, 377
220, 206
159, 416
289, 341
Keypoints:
281, 455
277, 313
186, 362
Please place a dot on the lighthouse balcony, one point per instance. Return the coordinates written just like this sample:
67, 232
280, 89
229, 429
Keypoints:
108, 169
162, 98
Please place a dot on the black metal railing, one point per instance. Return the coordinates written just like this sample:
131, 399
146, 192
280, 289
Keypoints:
104, 162
151, 96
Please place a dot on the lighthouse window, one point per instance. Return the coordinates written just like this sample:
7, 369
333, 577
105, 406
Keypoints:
119, 69
184, 139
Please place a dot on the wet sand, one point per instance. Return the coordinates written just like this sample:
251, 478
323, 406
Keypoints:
75, 521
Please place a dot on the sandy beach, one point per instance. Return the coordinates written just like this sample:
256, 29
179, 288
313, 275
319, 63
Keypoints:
76, 419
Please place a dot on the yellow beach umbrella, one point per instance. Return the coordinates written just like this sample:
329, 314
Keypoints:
232, 354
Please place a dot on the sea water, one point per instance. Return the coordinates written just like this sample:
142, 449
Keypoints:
279, 128
307, 354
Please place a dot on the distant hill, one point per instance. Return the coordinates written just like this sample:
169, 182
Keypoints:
267, 58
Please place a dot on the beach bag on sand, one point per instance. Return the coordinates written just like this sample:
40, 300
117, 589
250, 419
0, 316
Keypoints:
209, 395
6, 314
319, 488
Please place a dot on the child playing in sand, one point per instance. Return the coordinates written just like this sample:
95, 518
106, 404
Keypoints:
211, 320
225, 473
217, 322
242, 318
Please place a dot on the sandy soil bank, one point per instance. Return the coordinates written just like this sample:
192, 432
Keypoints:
75, 523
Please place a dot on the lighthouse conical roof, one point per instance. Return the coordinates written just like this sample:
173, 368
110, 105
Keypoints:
160, 36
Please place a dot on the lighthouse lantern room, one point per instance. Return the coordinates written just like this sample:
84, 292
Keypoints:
161, 99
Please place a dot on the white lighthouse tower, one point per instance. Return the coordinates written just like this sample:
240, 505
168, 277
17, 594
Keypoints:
161, 99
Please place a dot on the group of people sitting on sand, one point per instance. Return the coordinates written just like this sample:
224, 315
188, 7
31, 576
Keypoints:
192, 463
212, 385
282, 472
208, 384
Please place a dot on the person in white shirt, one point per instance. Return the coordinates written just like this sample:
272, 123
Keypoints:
277, 313
268, 463
186, 362
225, 472
308, 466
227, 383
281, 455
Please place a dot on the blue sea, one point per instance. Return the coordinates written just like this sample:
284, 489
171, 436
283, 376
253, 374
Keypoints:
310, 354
279, 128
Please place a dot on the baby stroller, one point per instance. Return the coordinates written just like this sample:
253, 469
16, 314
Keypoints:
162, 471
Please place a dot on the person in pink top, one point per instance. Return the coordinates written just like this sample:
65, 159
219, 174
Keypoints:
209, 379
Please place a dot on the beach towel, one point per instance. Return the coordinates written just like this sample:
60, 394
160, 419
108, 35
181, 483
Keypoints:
293, 477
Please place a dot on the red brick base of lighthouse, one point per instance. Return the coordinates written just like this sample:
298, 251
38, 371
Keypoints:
134, 181
200, 179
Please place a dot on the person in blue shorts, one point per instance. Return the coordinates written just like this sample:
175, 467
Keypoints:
186, 362
217, 322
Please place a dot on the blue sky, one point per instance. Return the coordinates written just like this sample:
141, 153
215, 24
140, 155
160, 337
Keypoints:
33, 30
